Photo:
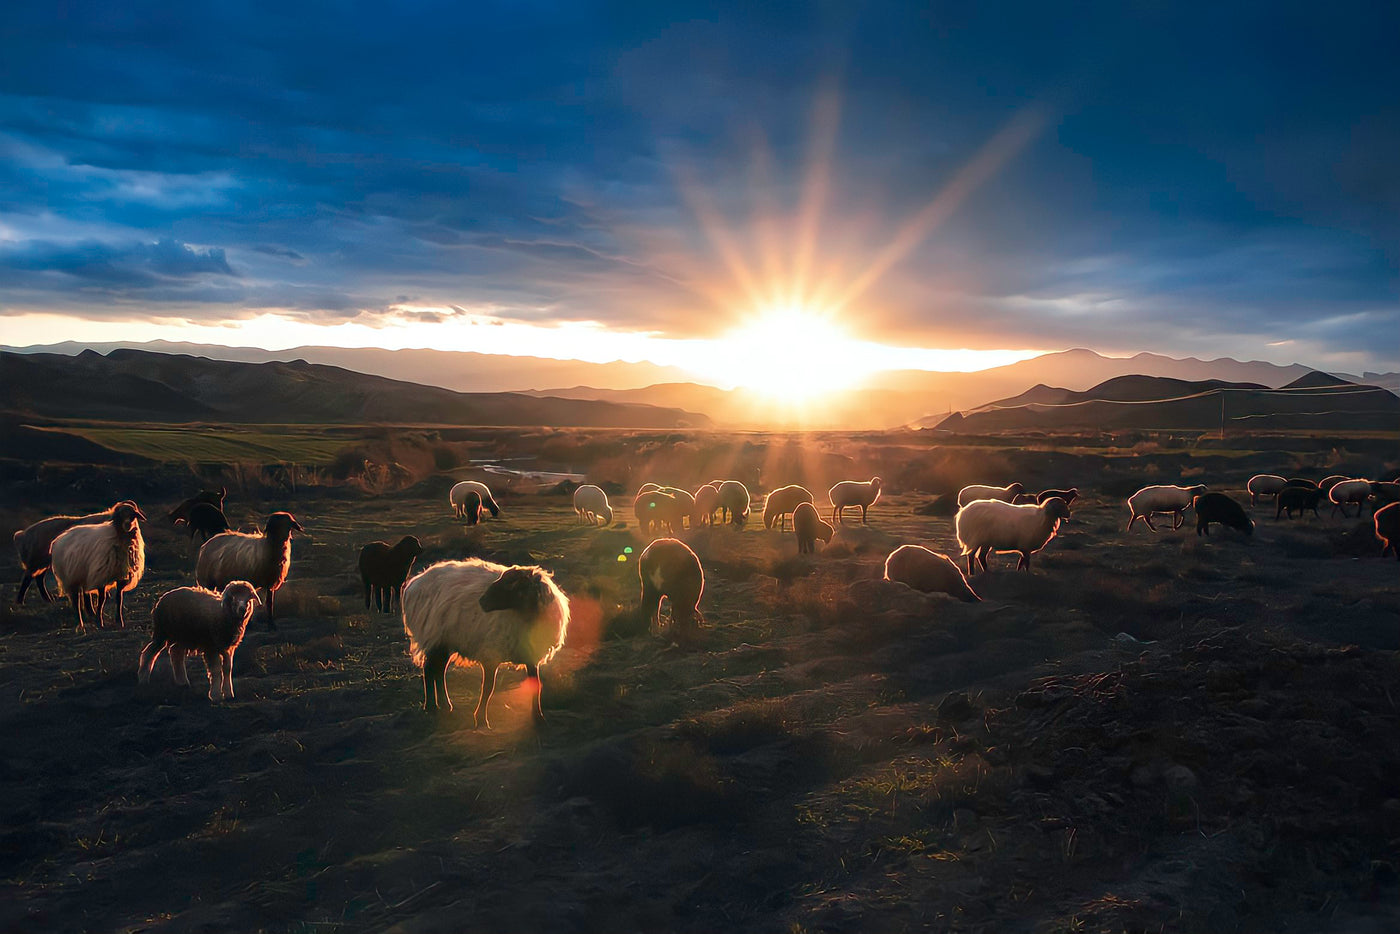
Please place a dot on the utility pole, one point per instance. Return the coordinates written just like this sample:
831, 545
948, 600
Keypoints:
1222, 415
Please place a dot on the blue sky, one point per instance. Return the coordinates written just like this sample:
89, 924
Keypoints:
1192, 180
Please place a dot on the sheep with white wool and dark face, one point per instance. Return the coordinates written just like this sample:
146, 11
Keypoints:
484, 500
260, 558
90, 559
192, 620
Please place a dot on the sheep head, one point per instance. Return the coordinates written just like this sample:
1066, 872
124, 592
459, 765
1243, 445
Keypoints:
523, 589
239, 599
875, 483
1056, 508
409, 545
280, 525
124, 516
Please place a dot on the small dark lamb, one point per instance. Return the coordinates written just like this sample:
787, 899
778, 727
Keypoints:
383, 570
1222, 510
1299, 498
668, 568
181, 513
205, 521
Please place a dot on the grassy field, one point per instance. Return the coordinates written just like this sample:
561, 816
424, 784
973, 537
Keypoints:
259, 444
1144, 733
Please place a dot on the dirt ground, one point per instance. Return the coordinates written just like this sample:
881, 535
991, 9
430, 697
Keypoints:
1144, 733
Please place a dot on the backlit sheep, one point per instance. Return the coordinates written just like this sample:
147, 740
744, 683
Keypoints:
206, 520
1347, 492
181, 513
34, 546
1222, 510
1388, 529
1299, 498
706, 502
483, 614
1265, 484
469, 509
658, 512
1069, 496
92, 558
734, 502
685, 504
192, 620
853, 493
668, 568
1326, 483
591, 504
1153, 500
458, 496
782, 501
809, 526
978, 491
1384, 493
988, 525
260, 558
927, 570
383, 570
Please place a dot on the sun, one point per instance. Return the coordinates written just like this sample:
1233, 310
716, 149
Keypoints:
788, 353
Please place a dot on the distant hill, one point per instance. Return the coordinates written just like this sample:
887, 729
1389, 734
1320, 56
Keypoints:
1314, 400
136, 385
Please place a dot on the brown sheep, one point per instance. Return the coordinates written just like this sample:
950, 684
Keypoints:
927, 570
668, 568
810, 526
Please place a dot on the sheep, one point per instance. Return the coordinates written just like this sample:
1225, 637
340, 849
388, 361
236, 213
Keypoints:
483, 492
485, 614
1326, 483
194, 620
89, 558
988, 525
782, 501
205, 521
181, 513
1025, 499
706, 502
1347, 492
657, 510
383, 570
1151, 500
975, 492
1298, 498
1387, 521
648, 488
734, 502
1265, 484
809, 526
1220, 509
685, 504
34, 546
1384, 493
927, 570
591, 504
853, 493
668, 568
1301, 483
261, 558
1069, 496
470, 507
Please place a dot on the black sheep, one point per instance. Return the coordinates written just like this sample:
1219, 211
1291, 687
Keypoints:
181, 513
1221, 509
1299, 498
205, 521
383, 570
1069, 496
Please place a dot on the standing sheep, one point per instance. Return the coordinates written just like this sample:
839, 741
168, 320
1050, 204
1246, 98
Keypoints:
458, 497
988, 525
1387, 521
781, 502
383, 570
1384, 492
482, 614
92, 558
1006, 494
734, 503
657, 512
853, 493
192, 620
205, 521
1265, 484
1151, 500
34, 546
1299, 498
706, 502
1222, 510
181, 513
685, 504
668, 568
1069, 496
927, 570
591, 504
261, 558
1347, 492
809, 526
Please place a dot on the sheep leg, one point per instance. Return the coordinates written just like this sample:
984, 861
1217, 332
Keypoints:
488, 687
982, 556
969, 564
177, 665
228, 674
78, 601
43, 588
214, 662
121, 610
24, 582
148, 659
365, 581
1148, 519
651, 605
271, 626
93, 609
863, 508
532, 680
1133, 518
435, 680
1025, 562
1178, 519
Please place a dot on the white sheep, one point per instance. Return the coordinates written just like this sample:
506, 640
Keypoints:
1152, 500
987, 525
484, 614
261, 558
1265, 484
1348, 492
194, 620
734, 502
781, 502
591, 504
809, 526
459, 493
92, 558
706, 502
853, 493
34, 547
926, 570
975, 492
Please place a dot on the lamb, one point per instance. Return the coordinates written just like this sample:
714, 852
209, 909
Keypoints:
484, 614
1298, 498
1069, 496
928, 571
34, 546
458, 496
782, 501
668, 568
853, 493
1387, 521
975, 492
734, 503
809, 526
181, 513
988, 525
1347, 492
657, 510
92, 558
383, 570
706, 502
1222, 510
194, 620
1151, 500
261, 558
206, 520
591, 504
1265, 484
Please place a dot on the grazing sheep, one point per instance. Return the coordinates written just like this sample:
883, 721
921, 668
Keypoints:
181, 513
649, 488
1326, 483
668, 568
782, 501
1152, 500
1222, 510
484, 614
853, 493
458, 496
1384, 493
1298, 498
383, 570
988, 525
34, 546
1069, 496
1025, 499
685, 504
706, 502
92, 558
929, 571
192, 620
1301, 483
261, 558
591, 504
1387, 520
470, 507
657, 512
1347, 492
978, 491
206, 520
809, 526
734, 503
1265, 484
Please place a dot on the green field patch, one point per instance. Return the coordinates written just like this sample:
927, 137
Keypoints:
222, 444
